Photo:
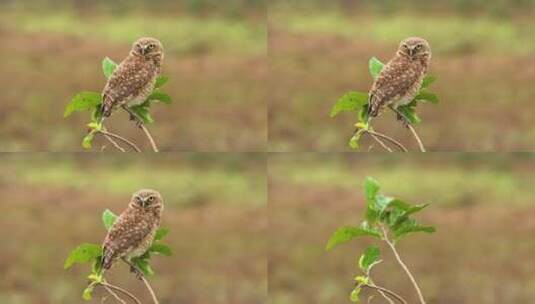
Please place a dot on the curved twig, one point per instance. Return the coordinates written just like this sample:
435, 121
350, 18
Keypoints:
121, 290
118, 137
154, 299
116, 296
411, 128
405, 268
140, 123
141, 276
386, 291
114, 143
387, 138
381, 143
420, 143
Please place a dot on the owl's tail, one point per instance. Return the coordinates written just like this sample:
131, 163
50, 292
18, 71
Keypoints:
107, 259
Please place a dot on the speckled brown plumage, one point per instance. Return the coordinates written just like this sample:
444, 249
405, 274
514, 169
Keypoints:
133, 80
401, 78
134, 231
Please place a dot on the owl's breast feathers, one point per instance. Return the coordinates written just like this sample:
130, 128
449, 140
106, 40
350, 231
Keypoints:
399, 81
133, 80
131, 235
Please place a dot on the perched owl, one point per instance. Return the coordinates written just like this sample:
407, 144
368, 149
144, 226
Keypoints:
401, 78
133, 80
133, 232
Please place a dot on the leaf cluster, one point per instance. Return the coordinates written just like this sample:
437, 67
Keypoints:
357, 102
92, 101
92, 253
384, 216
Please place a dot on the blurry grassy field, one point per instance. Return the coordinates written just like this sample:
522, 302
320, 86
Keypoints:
216, 66
214, 207
484, 65
482, 207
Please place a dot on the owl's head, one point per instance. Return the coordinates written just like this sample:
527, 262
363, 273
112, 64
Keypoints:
415, 48
148, 48
148, 199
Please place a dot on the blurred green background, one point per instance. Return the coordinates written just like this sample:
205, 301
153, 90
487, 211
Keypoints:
482, 206
483, 57
214, 208
214, 56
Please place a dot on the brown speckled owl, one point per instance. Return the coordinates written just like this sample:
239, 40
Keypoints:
133, 80
133, 232
401, 78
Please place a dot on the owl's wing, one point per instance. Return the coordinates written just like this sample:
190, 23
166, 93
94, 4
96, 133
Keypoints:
130, 77
128, 232
395, 80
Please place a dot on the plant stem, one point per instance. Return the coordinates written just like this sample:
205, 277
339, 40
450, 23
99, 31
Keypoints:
140, 123
388, 138
384, 291
405, 268
154, 299
142, 277
121, 290
118, 137
116, 296
411, 128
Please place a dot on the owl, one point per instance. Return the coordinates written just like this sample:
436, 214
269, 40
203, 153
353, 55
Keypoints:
401, 78
134, 79
133, 232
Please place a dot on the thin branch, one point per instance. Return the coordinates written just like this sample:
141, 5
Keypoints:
386, 291
121, 290
114, 143
382, 292
387, 138
118, 137
154, 299
405, 268
387, 148
140, 123
116, 296
411, 128
420, 143
142, 277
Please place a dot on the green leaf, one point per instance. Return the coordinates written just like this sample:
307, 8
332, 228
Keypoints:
160, 96
409, 111
82, 102
88, 292
160, 81
347, 233
354, 296
375, 67
97, 265
88, 140
355, 139
161, 249
371, 188
143, 265
83, 254
161, 233
96, 114
428, 80
142, 111
351, 101
108, 67
425, 95
369, 258
108, 218
411, 226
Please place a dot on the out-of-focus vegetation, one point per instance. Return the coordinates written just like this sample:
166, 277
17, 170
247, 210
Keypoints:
216, 62
481, 206
214, 207
483, 61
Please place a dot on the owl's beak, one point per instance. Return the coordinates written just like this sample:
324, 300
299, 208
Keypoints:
411, 52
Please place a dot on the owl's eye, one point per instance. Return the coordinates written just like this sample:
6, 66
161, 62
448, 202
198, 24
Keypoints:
151, 199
